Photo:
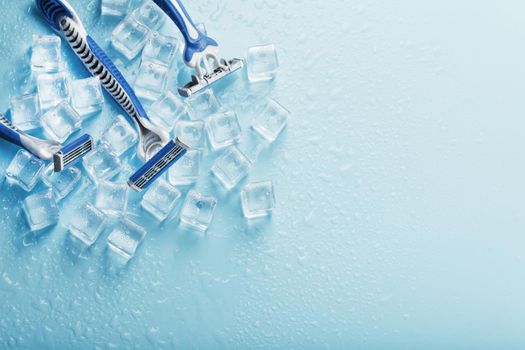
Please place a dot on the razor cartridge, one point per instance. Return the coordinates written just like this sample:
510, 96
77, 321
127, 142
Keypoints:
62, 156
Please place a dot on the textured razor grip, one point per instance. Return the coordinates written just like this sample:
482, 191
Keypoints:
195, 40
9, 132
101, 66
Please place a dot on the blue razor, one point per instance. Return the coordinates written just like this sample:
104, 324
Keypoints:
155, 147
46, 149
200, 53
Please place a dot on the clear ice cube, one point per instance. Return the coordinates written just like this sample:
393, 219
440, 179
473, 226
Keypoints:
187, 170
87, 224
53, 89
161, 49
125, 238
160, 199
223, 129
197, 211
41, 210
129, 37
117, 8
252, 144
60, 122
62, 183
86, 96
262, 63
231, 168
203, 104
167, 110
101, 163
46, 53
24, 170
25, 111
149, 15
112, 198
191, 133
271, 121
258, 199
119, 135
151, 81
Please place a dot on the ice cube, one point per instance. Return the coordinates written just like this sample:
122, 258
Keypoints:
160, 199
41, 210
86, 96
151, 81
161, 49
203, 104
167, 110
258, 199
231, 168
125, 238
87, 224
197, 211
187, 170
101, 163
223, 129
60, 122
62, 183
25, 111
271, 121
149, 15
119, 135
252, 144
262, 63
117, 8
24, 170
53, 89
112, 198
129, 37
45, 53
191, 133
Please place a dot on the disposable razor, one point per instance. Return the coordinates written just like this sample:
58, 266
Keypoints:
155, 147
200, 52
62, 156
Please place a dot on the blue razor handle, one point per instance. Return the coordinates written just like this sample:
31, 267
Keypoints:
195, 41
9, 132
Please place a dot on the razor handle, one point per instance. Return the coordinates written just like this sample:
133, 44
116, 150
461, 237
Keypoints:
101, 66
195, 41
9, 132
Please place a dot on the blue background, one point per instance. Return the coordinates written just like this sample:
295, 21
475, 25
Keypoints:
398, 183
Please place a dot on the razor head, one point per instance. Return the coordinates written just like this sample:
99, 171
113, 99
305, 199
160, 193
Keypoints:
197, 84
72, 152
157, 165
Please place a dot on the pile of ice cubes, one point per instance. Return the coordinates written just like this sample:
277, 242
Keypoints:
227, 128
